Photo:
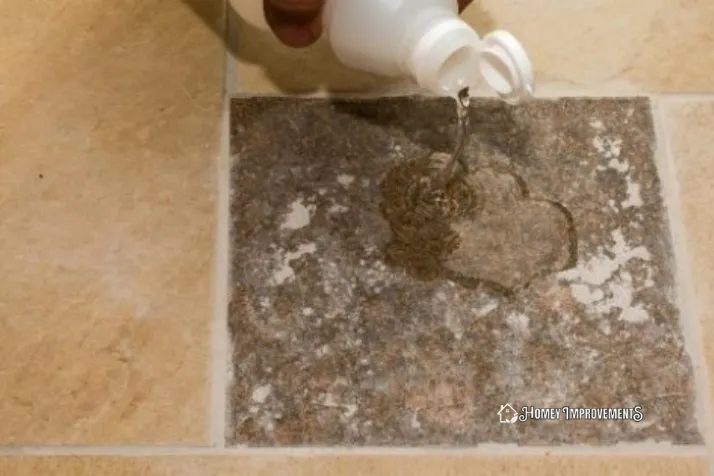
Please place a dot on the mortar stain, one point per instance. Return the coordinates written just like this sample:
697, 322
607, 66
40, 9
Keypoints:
481, 229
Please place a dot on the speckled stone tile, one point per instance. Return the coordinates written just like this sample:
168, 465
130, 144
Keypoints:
373, 307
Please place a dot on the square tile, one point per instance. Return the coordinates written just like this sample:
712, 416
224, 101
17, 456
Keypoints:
372, 307
108, 143
689, 126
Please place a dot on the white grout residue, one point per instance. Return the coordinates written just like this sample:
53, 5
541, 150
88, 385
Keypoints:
452, 320
597, 124
634, 197
336, 208
298, 216
518, 323
345, 180
486, 309
610, 150
328, 400
602, 284
261, 394
284, 272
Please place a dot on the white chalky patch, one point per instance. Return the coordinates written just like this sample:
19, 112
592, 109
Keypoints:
337, 209
621, 166
486, 309
298, 216
608, 148
452, 320
328, 400
634, 197
602, 284
518, 323
350, 410
597, 124
284, 272
337, 287
345, 180
261, 394
415, 424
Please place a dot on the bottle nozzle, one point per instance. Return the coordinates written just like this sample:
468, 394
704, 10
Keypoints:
506, 68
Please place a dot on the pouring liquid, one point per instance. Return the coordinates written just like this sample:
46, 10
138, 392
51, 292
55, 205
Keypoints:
457, 159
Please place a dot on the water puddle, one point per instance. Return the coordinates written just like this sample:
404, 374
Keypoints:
475, 226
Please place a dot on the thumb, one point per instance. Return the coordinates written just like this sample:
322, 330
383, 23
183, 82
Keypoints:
296, 23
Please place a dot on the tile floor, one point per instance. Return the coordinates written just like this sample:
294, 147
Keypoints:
114, 179
350, 325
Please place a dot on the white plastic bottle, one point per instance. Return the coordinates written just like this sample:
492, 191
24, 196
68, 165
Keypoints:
427, 40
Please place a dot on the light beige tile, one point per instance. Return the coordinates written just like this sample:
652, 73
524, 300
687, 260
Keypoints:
650, 45
692, 143
108, 134
355, 466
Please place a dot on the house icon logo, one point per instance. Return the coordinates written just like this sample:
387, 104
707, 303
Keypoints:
507, 414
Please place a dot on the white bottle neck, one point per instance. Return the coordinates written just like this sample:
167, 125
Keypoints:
444, 56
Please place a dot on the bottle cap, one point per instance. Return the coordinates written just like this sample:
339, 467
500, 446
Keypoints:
506, 68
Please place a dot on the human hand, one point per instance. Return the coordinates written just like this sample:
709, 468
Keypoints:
298, 23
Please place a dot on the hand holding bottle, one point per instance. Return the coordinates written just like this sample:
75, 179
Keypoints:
298, 23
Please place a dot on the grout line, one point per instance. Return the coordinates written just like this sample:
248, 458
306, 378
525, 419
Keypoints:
689, 315
219, 339
687, 97
486, 450
236, 93
232, 84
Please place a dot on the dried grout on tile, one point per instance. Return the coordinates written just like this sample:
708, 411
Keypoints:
371, 308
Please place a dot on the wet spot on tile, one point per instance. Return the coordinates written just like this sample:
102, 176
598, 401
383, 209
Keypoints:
369, 308
479, 229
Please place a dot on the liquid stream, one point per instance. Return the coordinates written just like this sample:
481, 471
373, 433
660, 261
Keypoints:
458, 158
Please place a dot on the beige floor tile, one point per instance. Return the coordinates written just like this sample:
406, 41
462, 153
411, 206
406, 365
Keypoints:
108, 136
690, 126
651, 45
355, 466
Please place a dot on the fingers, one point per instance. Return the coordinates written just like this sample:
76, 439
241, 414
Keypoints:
463, 4
296, 23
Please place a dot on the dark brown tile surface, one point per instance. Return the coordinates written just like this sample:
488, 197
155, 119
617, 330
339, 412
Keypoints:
370, 307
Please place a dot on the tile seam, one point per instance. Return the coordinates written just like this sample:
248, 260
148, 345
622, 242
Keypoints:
485, 450
690, 313
219, 341
232, 87
219, 331
236, 93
